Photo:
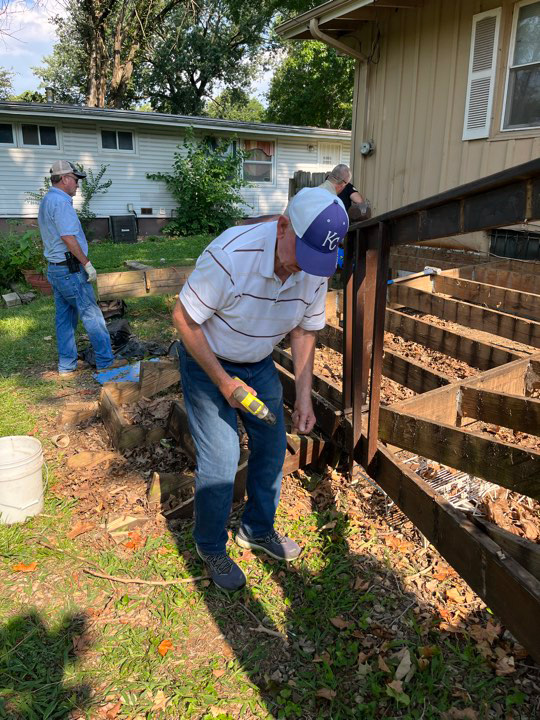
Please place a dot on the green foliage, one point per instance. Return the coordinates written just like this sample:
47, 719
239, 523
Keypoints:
91, 186
235, 104
6, 83
205, 182
29, 96
312, 86
19, 251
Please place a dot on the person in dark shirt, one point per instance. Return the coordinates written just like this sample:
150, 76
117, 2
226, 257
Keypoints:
350, 195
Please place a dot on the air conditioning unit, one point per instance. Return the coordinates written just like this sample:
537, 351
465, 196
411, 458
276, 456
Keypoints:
123, 228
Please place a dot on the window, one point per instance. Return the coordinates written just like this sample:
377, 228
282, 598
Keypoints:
39, 135
6, 134
259, 161
522, 101
117, 140
329, 155
481, 80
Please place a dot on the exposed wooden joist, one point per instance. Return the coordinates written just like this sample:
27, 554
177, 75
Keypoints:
525, 552
510, 591
513, 302
498, 462
509, 411
482, 355
397, 367
329, 390
472, 316
494, 275
140, 283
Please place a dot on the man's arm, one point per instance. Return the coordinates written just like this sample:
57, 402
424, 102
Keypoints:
356, 197
196, 344
303, 344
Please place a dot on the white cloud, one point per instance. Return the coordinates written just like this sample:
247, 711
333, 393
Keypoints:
32, 36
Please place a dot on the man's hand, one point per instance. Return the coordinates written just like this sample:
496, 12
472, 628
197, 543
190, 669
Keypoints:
303, 417
91, 272
227, 388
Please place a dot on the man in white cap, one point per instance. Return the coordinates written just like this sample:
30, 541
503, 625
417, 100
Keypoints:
70, 272
251, 286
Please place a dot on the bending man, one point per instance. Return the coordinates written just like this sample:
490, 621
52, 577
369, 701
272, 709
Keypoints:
252, 286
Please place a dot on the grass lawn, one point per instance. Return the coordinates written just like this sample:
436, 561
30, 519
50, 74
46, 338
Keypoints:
361, 627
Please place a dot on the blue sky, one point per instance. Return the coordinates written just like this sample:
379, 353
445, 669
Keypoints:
32, 37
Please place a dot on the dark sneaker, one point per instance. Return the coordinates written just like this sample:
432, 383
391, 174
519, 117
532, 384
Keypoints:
276, 545
223, 571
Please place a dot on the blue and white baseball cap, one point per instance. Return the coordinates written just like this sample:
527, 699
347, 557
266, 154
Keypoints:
320, 222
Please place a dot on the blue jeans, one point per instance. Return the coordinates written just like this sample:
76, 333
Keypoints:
213, 425
74, 298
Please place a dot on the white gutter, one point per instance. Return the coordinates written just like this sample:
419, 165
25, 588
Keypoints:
317, 33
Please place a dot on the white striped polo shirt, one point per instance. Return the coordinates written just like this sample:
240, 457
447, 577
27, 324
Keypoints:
242, 306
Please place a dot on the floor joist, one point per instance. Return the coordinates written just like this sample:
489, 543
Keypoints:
509, 411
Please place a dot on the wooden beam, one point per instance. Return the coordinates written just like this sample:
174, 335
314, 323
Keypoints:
482, 355
494, 275
509, 411
123, 434
525, 552
329, 390
411, 374
495, 461
513, 302
140, 283
472, 316
510, 591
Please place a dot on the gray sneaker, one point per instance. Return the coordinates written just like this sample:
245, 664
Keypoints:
276, 545
223, 571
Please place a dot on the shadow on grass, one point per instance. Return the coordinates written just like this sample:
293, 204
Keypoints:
33, 662
299, 630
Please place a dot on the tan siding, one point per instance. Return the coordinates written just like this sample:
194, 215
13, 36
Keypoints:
416, 106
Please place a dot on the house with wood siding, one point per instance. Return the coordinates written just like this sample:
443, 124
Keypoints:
445, 92
132, 144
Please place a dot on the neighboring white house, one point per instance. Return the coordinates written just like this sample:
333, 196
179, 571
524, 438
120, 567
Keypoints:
33, 135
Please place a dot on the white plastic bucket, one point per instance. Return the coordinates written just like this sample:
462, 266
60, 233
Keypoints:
21, 478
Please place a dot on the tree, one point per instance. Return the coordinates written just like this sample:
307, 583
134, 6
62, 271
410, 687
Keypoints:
209, 43
235, 104
312, 86
6, 83
29, 96
100, 44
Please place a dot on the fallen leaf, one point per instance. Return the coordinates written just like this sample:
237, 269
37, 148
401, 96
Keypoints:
21, 567
396, 685
423, 663
454, 595
162, 551
404, 666
340, 623
135, 540
323, 657
505, 666
160, 701
164, 647
219, 672
79, 529
326, 693
428, 651
113, 711
360, 584
363, 669
382, 665
456, 714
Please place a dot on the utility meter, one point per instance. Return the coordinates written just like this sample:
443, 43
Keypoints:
367, 147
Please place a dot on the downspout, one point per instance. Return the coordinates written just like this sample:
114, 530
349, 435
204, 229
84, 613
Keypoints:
318, 34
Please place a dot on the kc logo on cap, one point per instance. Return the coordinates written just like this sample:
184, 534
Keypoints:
320, 222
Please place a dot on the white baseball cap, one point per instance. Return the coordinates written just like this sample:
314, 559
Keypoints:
320, 222
64, 167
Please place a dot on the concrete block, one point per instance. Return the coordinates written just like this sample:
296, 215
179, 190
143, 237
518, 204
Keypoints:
11, 299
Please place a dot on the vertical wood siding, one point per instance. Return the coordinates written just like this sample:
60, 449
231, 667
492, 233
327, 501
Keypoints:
416, 104
23, 169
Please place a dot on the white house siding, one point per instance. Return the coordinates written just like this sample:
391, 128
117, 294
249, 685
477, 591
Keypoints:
23, 169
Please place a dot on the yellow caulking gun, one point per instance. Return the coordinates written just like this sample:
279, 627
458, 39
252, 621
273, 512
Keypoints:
253, 405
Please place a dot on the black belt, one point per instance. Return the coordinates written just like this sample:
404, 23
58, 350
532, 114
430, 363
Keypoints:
64, 262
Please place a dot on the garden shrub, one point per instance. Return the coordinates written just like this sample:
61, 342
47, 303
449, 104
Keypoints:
205, 181
19, 251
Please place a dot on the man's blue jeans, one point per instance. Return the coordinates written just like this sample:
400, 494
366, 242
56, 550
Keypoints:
214, 428
74, 298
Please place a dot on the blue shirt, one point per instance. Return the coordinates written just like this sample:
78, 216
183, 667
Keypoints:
57, 217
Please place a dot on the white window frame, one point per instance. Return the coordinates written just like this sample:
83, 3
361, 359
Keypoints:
509, 66
332, 164
262, 183
13, 142
116, 150
22, 144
